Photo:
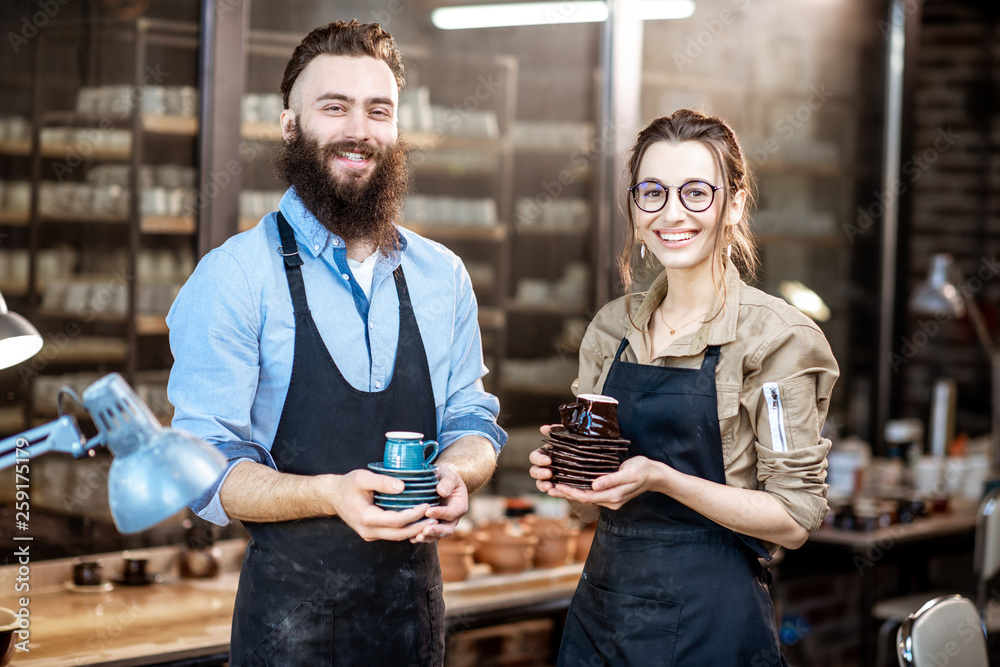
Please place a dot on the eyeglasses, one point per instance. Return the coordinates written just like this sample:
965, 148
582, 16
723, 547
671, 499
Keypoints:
696, 196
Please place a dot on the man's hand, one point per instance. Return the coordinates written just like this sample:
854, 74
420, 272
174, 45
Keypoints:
353, 501
454, 505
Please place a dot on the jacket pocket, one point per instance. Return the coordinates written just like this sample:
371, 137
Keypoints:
728, 397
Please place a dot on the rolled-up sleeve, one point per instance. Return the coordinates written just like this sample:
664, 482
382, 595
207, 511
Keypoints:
798, 371
214, 377
469, 409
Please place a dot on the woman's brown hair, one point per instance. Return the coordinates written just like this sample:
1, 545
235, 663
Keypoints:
342, 38
716, 135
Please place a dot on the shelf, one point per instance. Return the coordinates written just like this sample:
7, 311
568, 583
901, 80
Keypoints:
11, 289
168, 224
98, 153
14, 218
436, 141
554, 309
537, 389
816, 240
261, 131
16, 147
445, 232
145, 325
151, 224
154, 124
151, 325
556, 232
492, 318
11, 419
89, 350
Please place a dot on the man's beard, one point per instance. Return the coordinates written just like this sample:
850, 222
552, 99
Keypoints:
354, 208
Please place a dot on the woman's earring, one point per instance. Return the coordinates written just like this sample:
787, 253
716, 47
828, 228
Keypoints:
642, 249
729, 241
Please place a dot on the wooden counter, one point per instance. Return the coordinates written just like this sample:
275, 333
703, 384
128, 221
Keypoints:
180, 619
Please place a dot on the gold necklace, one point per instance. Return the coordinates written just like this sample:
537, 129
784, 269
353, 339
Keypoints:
673, 330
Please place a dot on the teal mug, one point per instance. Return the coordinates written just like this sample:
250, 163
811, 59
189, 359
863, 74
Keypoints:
406, 450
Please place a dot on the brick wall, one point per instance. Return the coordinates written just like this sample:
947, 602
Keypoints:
952, 176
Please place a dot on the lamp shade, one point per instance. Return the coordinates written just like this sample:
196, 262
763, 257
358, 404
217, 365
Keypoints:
156, 471
938, 295
18, 339
160, 478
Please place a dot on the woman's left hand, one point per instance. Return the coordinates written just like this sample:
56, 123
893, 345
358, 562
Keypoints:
636, 475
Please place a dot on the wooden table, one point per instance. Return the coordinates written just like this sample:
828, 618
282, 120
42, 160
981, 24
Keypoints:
909, 544
180, 620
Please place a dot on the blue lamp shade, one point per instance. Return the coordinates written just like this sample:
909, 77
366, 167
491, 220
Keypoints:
160, 478
156, 471
18, 339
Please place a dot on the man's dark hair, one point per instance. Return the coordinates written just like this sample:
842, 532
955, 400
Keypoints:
342, 38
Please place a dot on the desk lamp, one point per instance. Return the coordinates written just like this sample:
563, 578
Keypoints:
938, 296
156, 471
18, 339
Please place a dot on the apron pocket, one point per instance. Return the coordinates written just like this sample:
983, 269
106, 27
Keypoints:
618, 629
303, 638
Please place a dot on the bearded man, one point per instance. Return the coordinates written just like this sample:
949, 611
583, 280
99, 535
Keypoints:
299, 343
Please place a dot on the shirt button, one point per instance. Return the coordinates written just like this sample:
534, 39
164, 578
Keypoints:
346, 277
371, 325
378, 384
316, 247
335, 242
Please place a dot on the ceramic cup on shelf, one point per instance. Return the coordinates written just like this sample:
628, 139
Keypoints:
88, 573
406, 450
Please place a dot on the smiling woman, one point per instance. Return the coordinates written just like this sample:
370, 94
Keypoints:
728, 401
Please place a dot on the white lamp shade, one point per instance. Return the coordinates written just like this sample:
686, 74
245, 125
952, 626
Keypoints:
938, 295
18, 339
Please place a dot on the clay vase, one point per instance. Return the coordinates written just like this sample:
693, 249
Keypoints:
455, 554
506, 549
557, 540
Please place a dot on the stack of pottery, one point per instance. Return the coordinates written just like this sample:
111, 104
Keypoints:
455, 554
588, 443
408, 457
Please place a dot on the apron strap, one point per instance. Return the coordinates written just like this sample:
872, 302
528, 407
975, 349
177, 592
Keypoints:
289, 251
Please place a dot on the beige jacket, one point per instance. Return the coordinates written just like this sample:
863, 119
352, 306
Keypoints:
763, 340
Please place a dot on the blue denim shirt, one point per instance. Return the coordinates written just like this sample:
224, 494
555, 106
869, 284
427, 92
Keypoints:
232, 335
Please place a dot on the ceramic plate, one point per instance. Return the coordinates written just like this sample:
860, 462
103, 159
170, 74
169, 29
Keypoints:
429, 473
561, 432
600, 450
407, 497
574, 454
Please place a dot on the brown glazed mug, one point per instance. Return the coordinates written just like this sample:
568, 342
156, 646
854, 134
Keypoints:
593, 415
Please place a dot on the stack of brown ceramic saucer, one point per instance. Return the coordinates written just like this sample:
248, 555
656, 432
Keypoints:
577, 460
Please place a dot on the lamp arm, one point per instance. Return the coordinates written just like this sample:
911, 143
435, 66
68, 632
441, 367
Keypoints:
979, 323
62, 435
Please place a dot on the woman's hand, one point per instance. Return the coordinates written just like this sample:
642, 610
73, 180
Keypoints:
540, 471
635, 476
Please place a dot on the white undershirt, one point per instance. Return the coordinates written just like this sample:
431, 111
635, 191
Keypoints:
364, 272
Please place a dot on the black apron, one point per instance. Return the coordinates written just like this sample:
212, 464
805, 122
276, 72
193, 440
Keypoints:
312, 592
663, 585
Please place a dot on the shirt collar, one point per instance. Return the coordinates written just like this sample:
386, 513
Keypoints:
717, 331
310, 230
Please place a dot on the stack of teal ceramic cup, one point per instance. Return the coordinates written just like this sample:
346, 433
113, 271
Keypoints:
408, 457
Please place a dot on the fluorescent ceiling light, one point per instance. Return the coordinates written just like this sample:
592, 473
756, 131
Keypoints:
551, 13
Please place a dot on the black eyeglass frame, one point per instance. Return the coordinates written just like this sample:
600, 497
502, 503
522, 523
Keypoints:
711, 200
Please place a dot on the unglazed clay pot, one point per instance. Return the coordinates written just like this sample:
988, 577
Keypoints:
505, 547
455, 553
557, 539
